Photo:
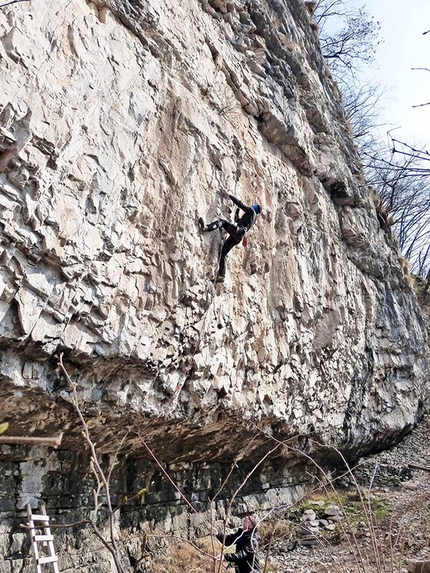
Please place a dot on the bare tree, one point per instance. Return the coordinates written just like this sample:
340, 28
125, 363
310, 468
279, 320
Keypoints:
400, 176
401, 179
102, 478
346, 34
363, 104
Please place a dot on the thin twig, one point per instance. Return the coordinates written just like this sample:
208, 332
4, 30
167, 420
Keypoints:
100, 477
160, 465
417, 467
221, 487
12, 2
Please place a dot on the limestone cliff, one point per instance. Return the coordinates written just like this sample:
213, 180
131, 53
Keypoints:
120, 124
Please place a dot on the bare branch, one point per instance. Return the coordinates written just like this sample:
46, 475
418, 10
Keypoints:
346, 48
54, 441
401, 180
12, 2
160, 465
101, 480
421, 104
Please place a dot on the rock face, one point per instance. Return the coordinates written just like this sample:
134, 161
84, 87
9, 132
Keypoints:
120, 124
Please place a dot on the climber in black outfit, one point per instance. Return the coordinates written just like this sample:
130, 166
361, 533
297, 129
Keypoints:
245, 558
236, 232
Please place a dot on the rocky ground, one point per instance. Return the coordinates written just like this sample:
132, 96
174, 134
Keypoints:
382, 523
376, 521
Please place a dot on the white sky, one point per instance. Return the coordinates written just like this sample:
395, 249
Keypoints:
403, 47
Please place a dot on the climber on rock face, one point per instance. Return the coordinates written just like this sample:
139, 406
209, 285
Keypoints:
236, 231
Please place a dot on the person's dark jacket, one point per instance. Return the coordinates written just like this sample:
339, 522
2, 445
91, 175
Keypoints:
245, 557
249, 216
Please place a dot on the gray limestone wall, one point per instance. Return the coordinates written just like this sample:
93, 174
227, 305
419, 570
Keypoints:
61, 480
120, 123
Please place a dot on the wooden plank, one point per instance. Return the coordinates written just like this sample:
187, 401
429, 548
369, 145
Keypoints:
54, 441
39, 538
36, 517
50, 559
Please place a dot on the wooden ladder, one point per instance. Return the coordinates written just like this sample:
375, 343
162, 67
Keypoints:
46, 539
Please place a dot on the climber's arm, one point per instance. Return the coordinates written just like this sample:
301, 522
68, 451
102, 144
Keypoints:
237, 202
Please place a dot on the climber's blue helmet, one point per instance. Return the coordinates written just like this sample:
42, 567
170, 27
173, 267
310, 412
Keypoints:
257, 208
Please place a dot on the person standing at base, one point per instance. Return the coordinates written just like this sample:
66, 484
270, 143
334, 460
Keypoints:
246, 539
236, 231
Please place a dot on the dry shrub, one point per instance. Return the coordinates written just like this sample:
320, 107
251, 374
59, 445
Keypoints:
190, 557
311, 7
286, 42
409, 526
274, 529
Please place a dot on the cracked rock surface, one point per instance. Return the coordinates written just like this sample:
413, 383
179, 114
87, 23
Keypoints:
120, 123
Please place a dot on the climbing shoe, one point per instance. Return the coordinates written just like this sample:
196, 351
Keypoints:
219, 279
202, 225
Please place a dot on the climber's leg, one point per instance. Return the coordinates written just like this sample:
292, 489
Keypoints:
226, 248
229, 227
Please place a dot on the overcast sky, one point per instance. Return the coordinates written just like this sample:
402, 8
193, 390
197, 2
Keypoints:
404, 47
